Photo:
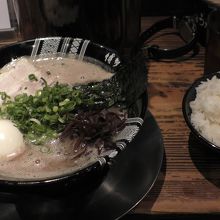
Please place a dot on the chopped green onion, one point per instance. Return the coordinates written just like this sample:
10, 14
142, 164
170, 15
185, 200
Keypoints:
4, 96
35, 120
41, 117
55, 108
64, 102
32, 77
44, 81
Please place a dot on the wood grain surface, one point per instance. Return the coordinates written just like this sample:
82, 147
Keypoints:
190, 177
189, 182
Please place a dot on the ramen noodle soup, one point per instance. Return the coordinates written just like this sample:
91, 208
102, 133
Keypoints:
24, 81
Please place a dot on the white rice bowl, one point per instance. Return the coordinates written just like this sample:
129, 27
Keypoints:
205, 116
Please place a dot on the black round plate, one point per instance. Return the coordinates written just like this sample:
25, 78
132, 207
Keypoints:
129, 179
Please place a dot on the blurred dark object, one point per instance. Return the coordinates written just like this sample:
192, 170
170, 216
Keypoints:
169, 7
114, 23
197, 8
185, 27
212, 56
204, 8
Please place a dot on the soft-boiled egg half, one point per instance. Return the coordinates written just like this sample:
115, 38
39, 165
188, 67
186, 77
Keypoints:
11, 140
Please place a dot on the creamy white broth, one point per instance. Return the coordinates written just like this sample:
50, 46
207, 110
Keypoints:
76, 71
37, 162
55, 158
14, 77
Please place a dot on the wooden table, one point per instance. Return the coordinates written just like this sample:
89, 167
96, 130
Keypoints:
189, 182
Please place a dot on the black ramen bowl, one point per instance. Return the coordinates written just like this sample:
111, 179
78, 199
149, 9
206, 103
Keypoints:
89, 177
190, 95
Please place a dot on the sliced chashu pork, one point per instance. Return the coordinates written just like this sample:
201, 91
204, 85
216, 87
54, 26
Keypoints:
14, 78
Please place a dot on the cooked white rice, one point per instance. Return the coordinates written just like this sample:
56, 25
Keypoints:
205, 115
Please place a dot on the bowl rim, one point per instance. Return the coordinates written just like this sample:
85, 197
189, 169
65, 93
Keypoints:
94, 165
185, 104
90, 42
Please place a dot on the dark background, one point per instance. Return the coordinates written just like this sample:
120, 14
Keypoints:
171, 7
